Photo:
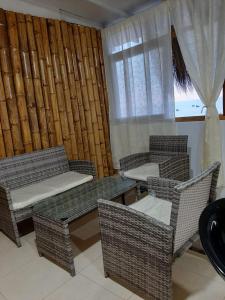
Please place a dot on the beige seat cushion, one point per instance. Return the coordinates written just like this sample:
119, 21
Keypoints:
143, 172
33, 193
154, 207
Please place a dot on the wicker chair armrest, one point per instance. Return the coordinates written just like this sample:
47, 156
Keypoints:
176, 168
167, 153
7, 215
134, 160
5, 197
155, 158
83, 166
137, 248
163, 187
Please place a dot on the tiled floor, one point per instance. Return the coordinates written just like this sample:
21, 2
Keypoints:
26, 276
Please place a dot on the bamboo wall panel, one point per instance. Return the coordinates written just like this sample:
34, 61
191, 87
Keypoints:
11, 102
52, 89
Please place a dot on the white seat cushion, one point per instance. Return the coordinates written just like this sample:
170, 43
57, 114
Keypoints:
33, 193
143, 172
154, 207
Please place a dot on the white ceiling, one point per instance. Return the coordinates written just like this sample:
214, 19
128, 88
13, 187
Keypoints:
98, 12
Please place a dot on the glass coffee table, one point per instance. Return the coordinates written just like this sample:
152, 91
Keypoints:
52, 216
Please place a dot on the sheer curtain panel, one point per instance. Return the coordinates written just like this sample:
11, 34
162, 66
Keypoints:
200, 29
138, 59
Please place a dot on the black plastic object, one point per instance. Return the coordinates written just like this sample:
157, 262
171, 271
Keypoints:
212, 234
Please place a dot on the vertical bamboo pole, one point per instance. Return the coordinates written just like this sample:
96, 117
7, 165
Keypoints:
35, 82
7, 145
85, 96
18, 80
78, 106
84, 88
2, 144
59, 88
87, 74
97, 100
41, 80
2, 120
11, 102
51, 82
100, 69
100, 52
71, 86
28, 82
65, 82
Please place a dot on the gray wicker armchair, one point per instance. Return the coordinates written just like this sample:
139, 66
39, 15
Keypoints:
26, 170
167, 158
138, 250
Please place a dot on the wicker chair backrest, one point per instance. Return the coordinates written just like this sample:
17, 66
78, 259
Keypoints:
25, 169
193, 196
168, 143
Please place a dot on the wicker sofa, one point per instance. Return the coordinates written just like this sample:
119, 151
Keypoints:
29, 178
167, 158
138, 248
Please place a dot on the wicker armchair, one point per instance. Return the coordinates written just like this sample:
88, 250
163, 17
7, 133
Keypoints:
167, 153
138, 250
27, 169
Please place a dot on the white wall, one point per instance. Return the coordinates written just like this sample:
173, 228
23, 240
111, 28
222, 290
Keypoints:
195, 132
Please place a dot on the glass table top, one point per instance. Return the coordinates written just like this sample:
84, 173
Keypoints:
73, 203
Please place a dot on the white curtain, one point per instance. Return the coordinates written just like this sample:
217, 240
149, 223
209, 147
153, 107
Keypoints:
200, 29
138, 59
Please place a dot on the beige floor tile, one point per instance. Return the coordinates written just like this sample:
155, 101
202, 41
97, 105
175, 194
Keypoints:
81, 288
196, 263
14, 257
85, 258
95, 272
30, 238
135, 297
6, 244
34, 278
2, 297
190, 285
33, 281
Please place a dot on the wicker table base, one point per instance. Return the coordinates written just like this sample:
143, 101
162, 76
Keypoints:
53, 242
51, 219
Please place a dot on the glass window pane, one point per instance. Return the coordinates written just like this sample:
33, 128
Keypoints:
188, 104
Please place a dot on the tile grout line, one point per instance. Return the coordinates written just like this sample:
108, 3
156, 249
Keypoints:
3, 296
13, 270
68, 280
81, 270
103, 287
52, 292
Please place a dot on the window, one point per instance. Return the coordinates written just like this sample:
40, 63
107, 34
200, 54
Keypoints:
135, 86
188, 104
138, 78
